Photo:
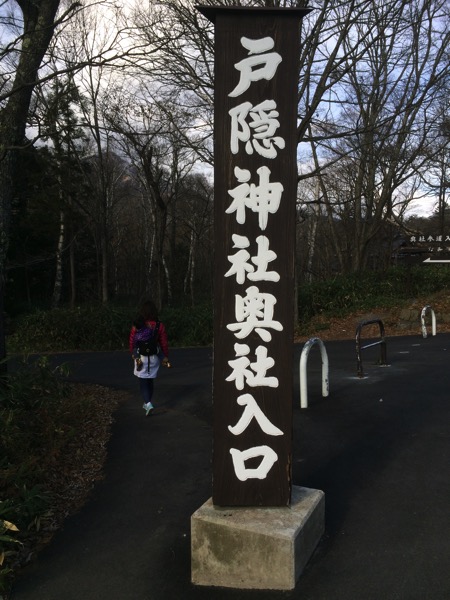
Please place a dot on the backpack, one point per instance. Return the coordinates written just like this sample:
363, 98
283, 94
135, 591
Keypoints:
149, 347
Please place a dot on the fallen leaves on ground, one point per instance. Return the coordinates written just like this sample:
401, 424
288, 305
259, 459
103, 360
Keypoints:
329, 328
78, 466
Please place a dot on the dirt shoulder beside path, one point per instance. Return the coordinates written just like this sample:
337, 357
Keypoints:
397, 320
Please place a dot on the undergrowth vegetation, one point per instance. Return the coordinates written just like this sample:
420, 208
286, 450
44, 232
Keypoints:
42, 419
35, 422
345, 294
91, 328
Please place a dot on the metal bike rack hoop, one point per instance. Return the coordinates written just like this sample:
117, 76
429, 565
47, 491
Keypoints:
381, 342
303, 376
433, 321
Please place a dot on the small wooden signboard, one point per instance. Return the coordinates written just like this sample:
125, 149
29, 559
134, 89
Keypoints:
256, 100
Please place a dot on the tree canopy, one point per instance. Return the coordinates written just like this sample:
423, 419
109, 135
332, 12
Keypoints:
106, 145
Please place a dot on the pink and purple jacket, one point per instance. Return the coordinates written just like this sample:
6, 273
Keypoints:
136, 336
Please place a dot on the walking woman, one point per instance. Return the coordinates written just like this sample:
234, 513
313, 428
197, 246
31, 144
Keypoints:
148, 340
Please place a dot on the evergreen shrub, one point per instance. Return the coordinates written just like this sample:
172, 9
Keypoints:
85, 328
370, 289
36, 423
96, 328
189, 326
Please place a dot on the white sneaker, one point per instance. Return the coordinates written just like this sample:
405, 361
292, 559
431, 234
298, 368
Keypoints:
148, 408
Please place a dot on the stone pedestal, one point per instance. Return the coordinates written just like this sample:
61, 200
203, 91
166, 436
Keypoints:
256, 548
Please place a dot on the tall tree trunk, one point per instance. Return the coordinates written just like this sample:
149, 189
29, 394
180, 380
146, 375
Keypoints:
190, 273
311, 242
56, 297
38, 18
6, 187
168, 281
73, 281
105, 268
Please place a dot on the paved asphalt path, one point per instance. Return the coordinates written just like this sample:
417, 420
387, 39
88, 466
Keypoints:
379, 447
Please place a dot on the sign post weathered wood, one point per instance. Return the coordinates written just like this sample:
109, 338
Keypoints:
256, 100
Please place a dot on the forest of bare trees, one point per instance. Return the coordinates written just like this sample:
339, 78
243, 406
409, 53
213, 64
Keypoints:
106, 145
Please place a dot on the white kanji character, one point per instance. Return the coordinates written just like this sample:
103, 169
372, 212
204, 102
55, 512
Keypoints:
262, 127
256, 376
269, 457
240, 130
239, 261
263, 199
240, 366
263, 258
267, 63
255, 312
253, 411
260, 367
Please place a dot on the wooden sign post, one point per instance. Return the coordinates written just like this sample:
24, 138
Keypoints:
256, 99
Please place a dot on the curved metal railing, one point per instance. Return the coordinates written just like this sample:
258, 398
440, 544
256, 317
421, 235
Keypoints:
433, 321
303, 375
381, 342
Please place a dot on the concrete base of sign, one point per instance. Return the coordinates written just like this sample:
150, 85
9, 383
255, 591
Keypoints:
256, 548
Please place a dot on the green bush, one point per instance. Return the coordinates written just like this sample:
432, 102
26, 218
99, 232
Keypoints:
48, 431
93, 328
35, 424
63, 329
189, 326
370, 289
